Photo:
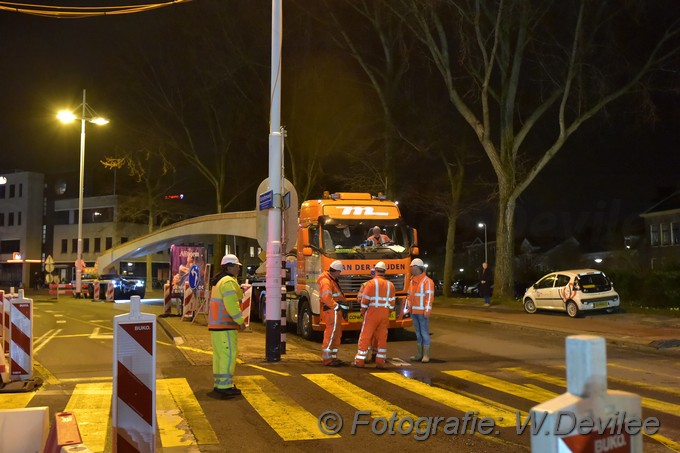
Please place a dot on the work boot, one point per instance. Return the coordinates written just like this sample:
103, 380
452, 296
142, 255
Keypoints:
230, 392
418, 357
426, 354
371, 357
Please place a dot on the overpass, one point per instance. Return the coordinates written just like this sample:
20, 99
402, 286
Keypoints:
229, 223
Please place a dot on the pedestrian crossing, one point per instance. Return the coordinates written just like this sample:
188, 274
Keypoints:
505, 395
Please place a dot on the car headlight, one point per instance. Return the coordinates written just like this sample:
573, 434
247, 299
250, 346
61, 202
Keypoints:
139, 283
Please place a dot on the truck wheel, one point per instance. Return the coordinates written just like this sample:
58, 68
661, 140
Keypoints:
262, 308
305, 321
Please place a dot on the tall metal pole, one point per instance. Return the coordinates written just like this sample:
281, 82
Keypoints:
79, 254
273, 279
486, 252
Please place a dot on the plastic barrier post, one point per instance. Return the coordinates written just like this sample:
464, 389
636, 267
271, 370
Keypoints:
21, 338
109, 292
134, 380
283, 320
558, 424
63, 432
24, 430
246, 302
167, 299
188, 311
96, 291
4, 314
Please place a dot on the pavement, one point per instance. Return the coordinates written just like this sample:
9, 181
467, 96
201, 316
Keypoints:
641, 331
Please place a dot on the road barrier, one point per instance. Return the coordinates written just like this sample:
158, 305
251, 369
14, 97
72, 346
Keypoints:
4, 315
134, 380
188, 305
109, 292
563, 424
59, 289
96, 291
24, 430
21, 338
167, 299
246, 303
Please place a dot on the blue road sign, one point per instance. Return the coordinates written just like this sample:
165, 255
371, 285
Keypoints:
194, 276
267, 200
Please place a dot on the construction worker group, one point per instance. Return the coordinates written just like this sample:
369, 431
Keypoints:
377, 299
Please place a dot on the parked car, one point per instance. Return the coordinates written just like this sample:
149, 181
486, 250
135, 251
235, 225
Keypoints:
123, 288
573, 291
458, 287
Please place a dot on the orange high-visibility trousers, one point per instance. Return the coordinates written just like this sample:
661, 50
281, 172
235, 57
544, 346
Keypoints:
376, 322
331, 336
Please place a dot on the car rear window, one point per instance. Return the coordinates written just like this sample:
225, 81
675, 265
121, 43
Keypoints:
594, 282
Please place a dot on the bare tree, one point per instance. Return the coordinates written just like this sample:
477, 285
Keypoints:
525, 75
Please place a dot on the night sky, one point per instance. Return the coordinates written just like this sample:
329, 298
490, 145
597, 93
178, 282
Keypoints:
614, 168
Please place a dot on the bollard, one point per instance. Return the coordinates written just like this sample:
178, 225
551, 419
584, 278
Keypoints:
283, 320
167, 299
110, 292
188, 310
134, 381
21, 338
96, 291
588, 417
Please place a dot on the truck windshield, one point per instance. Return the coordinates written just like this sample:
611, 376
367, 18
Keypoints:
361, 239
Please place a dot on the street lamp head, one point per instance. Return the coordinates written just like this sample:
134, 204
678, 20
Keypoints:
481, 225
99, 121
66, 116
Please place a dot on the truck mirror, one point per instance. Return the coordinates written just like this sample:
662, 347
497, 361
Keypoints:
415, 250
305, 237
413, 236
307, 251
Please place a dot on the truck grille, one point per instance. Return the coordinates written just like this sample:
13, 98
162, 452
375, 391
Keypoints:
350, 284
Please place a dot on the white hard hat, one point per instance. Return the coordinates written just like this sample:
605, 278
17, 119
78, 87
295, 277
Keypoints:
380, 266
417, 262
336, 265
230, 259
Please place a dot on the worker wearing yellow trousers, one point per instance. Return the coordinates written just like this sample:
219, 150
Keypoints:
224, 322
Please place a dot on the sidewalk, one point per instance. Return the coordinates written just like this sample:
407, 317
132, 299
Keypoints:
645, 332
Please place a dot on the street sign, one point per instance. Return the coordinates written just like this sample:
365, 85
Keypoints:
49, 263
290, 215
194, 276
266, 200
286, 200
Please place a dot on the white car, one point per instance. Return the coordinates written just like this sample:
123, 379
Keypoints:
573, 291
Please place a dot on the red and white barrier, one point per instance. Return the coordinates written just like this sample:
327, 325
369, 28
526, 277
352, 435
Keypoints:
96, 291
134, 381
64, 432
4, 314
245, 303
4, 370
109, 292
58, 289
21, 338
188, 310
167, 299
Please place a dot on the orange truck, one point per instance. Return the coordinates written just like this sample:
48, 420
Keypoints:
337, 227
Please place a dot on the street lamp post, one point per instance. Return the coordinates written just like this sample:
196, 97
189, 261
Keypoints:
486, 249
90, 116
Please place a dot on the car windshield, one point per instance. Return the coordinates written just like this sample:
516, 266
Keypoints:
360, 238
597, 282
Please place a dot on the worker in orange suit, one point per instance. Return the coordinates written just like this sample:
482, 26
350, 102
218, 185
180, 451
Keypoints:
370, 358
419, 299
332, 303
377, 301
377, 237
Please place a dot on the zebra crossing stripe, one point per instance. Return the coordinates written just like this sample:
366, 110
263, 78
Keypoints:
181, 420
290, 420
91, 403
503, 417
531, 394
357, 397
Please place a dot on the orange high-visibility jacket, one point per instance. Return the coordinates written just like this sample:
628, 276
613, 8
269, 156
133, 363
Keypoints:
329, 291
225, 311
420, 294
378, 293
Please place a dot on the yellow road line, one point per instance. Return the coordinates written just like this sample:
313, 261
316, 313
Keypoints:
15, 400
189, 348
261, 368
290, 420
357, 397
502, 417
502, 386
641, 370
91, 404
47, 377
181, 420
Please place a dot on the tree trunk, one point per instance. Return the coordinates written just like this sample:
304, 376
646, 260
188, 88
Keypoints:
503, 269
450, 251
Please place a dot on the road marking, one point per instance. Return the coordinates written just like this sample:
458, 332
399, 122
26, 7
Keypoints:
91, 404
95, 335
616, 365
502, 417
357, 397
290, 420
531, 394
46, 375
261, 368
181, 420
15, 400
43, 340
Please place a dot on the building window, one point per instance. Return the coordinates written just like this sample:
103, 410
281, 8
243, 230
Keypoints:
86, 245
97, 245
11, 191
123, 240
64, 246
21, 190
10, 246
10, 219
2, 219
665, 234
675, 233
2, 191
74, 245
109, 243
654, 235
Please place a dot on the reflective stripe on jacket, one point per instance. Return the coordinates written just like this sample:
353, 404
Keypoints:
225, 308
379, 292
420, 294
329, 291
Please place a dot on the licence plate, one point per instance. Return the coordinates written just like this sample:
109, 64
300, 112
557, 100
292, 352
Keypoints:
600, 304
355, 316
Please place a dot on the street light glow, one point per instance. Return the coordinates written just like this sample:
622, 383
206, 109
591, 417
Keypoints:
480, 225
66, 116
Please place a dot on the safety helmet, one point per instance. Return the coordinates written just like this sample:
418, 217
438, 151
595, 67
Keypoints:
417, 262
380, 266
230, 259
336, 265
